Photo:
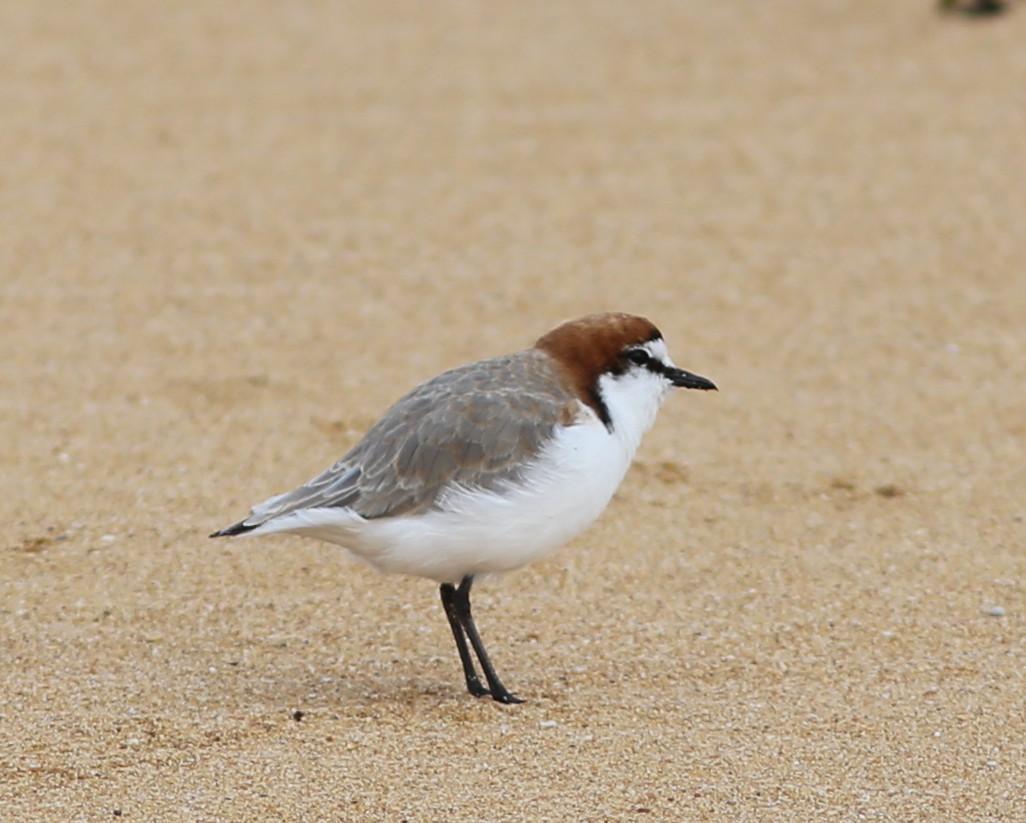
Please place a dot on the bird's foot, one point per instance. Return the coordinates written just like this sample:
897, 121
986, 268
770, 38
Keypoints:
504, 696
475, 687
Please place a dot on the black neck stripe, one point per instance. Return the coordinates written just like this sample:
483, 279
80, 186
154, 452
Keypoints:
600, 407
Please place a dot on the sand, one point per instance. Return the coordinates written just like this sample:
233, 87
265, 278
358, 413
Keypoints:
231, 235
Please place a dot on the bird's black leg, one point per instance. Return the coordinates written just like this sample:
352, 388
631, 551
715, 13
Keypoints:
462, 603
448, 592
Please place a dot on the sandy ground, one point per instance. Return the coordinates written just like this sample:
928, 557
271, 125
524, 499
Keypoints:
231, 235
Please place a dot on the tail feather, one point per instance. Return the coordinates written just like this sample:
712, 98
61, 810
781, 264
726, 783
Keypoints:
237, 528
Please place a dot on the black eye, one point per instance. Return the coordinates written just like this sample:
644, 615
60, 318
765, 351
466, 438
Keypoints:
638, 356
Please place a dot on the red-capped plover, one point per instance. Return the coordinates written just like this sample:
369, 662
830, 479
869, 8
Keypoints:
490, 466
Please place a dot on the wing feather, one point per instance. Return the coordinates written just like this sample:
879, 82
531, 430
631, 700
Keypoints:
475, 426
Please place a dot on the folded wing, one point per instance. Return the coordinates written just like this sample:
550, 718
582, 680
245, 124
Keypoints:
475, 427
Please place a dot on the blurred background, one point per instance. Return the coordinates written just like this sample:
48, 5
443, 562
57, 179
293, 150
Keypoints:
231, 235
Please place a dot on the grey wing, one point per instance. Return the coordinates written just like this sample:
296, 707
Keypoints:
336, 486
475, 427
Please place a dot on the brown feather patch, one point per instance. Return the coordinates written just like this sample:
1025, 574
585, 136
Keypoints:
590, 346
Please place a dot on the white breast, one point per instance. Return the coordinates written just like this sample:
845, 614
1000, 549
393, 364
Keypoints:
475, 532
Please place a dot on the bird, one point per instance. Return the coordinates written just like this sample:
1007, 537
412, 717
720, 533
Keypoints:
974, 8
489, 466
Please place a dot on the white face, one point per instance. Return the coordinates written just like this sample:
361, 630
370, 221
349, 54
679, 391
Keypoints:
634, 395
648, 374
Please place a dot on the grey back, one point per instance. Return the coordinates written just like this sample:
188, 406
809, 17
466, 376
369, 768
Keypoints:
474, 426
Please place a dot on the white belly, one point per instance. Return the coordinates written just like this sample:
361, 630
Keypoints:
476, 532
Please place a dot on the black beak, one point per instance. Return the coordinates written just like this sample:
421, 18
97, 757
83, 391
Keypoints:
687, 380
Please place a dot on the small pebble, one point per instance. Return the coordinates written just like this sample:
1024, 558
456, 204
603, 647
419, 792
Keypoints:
298, 715
548, 724
108, 538
994, 611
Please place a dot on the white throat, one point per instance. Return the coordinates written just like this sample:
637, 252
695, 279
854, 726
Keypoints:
632, 400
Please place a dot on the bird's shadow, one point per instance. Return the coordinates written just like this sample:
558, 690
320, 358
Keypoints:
338, 693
